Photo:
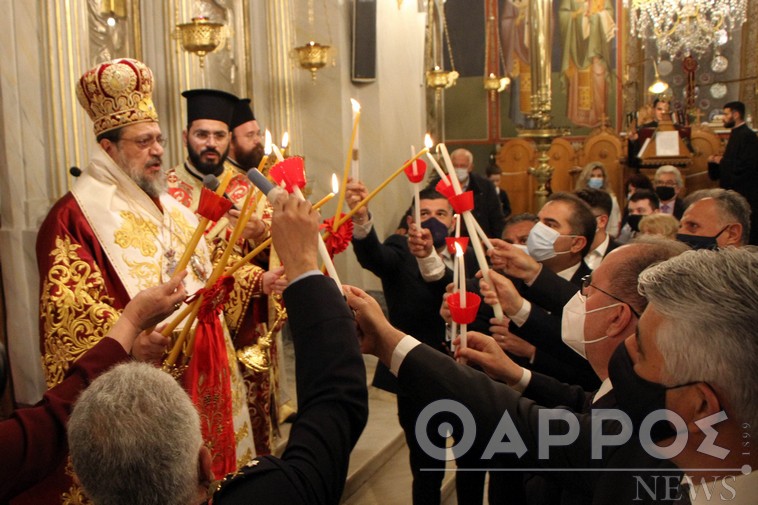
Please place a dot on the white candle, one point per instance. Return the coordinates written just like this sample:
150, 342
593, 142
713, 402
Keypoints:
457, 226
355, 144
435, 165
461, 275
285, 142
483, 236
416, 193
450, 168
456, 260
461, 285
481, 258
267, 143
328, 263
277, 153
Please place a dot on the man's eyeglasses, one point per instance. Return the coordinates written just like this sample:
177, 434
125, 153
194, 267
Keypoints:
204, 135
146, 142
587, 282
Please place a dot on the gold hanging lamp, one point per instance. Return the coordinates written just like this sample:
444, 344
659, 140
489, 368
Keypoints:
493, 83
314, 56
200, 37
437, 77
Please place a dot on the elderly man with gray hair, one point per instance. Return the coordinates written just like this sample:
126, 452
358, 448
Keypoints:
668, 184
693, 357
715, 218
694, 354
135, 436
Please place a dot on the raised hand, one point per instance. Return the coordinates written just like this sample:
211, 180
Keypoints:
294, 226
484, 352
377, 335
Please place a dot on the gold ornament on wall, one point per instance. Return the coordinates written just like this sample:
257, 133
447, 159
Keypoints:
312, 57
200, 37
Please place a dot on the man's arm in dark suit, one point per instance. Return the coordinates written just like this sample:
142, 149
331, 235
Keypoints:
331, 386
332, 405
428, 378
549, 291
549, 392
376, 257
553, 357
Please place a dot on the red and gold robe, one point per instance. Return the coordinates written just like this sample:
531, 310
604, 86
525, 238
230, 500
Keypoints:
99, 245
246, 325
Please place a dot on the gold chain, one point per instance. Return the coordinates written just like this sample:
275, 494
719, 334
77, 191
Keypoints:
447, 38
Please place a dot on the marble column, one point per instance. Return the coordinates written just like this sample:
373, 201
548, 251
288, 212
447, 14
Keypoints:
32, 175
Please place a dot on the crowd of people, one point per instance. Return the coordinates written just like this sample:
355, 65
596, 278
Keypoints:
619, 372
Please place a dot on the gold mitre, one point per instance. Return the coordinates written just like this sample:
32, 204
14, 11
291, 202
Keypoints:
117, 93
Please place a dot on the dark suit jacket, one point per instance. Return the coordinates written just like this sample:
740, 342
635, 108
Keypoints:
332, 406
488, 210
612, 244
505, 202
679, 208
738, 170
413, 304
549, 392
429, 378
548, 294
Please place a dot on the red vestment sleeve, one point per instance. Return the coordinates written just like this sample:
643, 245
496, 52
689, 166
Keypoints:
34, 439
81, 295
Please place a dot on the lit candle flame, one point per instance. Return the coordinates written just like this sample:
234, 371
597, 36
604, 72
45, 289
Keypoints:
335, 183
267, 146
428, 141
355, 104
285, 140
458, 250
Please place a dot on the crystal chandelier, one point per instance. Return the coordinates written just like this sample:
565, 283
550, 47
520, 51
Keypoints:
686, 27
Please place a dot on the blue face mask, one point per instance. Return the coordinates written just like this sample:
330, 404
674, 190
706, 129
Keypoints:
438, 230
595, 182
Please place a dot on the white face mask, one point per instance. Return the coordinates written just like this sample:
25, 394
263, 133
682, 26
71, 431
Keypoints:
462, 175
521, 247
572, 323
541, 242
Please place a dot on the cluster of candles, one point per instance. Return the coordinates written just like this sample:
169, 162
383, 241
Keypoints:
352, 170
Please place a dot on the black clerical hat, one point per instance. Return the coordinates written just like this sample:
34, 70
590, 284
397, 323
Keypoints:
210, 104
242, 113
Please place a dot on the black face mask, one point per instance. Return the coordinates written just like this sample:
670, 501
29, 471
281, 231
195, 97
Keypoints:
634, 221
697, 242
638, 397
665, 193
438, 230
